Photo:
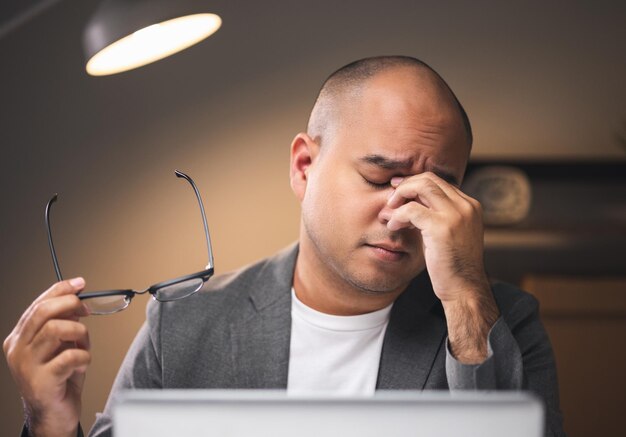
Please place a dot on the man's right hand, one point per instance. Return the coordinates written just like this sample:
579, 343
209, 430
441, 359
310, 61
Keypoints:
48, 354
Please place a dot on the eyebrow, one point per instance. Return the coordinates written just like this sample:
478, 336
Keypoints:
387, 163
403, 164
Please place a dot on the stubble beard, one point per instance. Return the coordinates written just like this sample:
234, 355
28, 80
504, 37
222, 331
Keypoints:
347, 269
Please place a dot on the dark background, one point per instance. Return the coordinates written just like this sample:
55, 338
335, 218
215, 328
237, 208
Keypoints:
542, 81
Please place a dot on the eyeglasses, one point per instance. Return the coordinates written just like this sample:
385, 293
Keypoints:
112, 301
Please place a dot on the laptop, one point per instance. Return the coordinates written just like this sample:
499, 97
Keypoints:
259, 413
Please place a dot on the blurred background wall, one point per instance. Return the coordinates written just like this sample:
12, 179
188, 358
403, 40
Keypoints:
541, 80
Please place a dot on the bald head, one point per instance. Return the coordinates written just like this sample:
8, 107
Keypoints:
341, 93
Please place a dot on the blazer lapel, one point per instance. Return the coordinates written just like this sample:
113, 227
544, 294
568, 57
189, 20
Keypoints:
414, 336
261, 332
262, 335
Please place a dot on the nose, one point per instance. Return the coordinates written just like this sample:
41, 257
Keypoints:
385, 214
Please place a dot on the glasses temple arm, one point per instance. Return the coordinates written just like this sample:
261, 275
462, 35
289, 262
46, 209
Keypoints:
50, 243
207, 236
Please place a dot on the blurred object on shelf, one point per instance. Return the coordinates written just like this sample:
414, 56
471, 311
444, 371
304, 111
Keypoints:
503, 191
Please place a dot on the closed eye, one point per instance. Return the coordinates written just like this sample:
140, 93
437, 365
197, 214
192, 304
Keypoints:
378, 186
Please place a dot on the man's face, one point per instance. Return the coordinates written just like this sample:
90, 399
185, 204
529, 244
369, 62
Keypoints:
399, 126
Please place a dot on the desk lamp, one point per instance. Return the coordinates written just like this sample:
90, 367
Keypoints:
126, 34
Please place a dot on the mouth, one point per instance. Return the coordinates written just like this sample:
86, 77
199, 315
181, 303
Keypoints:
387, 252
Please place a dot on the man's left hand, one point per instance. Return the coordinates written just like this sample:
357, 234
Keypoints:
451, 229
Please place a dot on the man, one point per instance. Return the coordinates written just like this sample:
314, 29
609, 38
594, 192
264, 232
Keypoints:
385, 290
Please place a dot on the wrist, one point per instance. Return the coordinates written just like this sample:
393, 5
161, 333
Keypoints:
469, 321
40, 430
39, 426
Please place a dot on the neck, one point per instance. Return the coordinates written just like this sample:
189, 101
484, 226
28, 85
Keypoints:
319, 287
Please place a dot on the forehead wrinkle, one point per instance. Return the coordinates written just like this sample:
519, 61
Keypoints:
430, 130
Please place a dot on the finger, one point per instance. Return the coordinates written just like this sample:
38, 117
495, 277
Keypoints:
70, 286
68, 362
411, 214
466, 196
55, 335
73, 285
420, 188
458, 199
59, 307
453, 192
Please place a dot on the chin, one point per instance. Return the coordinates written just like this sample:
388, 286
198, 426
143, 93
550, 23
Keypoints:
378, 285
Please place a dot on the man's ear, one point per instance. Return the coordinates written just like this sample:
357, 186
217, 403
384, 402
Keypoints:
304, 152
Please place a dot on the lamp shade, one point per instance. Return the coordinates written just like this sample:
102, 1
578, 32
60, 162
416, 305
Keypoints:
126, 34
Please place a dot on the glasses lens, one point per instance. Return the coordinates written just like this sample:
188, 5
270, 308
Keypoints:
106, 304
178, 290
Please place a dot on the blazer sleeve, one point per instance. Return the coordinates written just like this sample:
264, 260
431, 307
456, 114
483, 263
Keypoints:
141, 368
519, 357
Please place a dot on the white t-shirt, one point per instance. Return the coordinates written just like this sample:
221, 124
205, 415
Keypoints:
336, 355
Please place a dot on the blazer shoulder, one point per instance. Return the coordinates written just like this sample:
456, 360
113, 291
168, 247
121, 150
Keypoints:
220, 290
234, 290
513, 302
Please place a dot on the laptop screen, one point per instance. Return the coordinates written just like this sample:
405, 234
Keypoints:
247, 413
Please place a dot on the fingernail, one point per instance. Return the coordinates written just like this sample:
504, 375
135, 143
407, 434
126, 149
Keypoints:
77, 282
395, 181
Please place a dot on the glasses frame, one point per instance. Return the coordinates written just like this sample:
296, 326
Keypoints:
153, 289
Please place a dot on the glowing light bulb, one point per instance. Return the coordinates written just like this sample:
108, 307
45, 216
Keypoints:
153, 43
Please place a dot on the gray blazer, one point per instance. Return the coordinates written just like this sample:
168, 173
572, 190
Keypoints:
235, 333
